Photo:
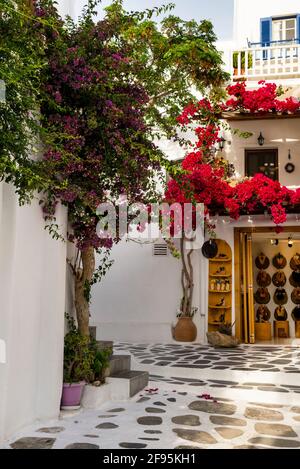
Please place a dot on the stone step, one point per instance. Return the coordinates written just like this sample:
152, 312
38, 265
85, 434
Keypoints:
105, 344
131, 382
119, 363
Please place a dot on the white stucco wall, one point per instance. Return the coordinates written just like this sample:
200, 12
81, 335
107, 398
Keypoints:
32, 292
283, 134
138, 299
247, 17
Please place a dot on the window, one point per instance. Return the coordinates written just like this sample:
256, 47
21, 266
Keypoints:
284, 29
262, 161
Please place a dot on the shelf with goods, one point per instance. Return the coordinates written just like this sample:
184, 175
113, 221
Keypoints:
220, 291
220, 276
220, 260
214, 324
220, 284
219, 307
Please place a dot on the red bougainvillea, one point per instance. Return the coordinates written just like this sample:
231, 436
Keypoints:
206, 181
263, 99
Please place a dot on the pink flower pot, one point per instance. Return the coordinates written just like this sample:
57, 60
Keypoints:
71, 394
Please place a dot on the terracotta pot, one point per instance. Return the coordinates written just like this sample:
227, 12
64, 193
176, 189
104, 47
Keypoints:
236, 71
185, 330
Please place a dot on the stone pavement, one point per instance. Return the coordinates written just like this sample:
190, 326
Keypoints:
279, 358
189, 411
170, 419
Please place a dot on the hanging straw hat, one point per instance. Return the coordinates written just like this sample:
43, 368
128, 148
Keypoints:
295, 262
280, 313
262, 296
295, 278
296, 296
263, 314
279, 279
279, 261
210, 249
263, 279
262, 262
296, 313
280, 296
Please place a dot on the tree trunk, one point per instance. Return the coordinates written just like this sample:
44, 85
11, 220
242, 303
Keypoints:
187, 278
83, 280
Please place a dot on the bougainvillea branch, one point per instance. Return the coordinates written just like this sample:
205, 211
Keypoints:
206, 179
106, 90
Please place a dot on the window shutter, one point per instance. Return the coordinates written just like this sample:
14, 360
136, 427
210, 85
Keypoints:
298, 29
265, 31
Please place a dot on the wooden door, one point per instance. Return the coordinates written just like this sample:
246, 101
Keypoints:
247, 289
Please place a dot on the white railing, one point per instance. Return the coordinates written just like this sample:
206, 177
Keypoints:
264, 62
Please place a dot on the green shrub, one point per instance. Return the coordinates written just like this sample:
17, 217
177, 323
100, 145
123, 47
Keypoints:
83, 361
100, 363
78, 355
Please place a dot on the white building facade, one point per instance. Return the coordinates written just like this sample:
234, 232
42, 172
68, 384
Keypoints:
138, 299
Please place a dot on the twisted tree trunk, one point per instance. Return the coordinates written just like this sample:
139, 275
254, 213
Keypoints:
187, 278
83, 279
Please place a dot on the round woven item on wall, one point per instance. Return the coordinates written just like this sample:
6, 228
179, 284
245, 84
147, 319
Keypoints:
280, 296
296, 313
262, 261
279, 261
263, 279
280, 313
295, 262
279, 279
263, 314
296, 296
262, 296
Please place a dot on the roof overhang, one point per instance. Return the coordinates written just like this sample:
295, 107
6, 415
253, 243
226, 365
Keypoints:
238, 116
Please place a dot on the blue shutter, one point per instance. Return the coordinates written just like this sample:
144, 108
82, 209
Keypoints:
265, 34
265, 31
298, 29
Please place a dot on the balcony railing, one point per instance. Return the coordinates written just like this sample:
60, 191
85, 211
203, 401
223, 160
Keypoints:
274, 61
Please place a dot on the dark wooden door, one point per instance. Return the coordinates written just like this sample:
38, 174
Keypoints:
262, 161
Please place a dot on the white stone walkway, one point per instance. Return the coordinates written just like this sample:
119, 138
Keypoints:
181, 410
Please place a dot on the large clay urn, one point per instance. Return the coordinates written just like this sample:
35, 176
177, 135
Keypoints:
185, 330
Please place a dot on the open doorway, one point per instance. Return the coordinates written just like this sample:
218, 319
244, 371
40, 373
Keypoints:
267, 284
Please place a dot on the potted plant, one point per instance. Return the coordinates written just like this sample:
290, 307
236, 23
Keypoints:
79, 360
100, 364
243, 60
185, 329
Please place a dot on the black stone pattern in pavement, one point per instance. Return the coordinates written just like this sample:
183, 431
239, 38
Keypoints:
279, 358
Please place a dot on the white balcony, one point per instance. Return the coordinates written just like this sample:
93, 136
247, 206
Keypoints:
274, 61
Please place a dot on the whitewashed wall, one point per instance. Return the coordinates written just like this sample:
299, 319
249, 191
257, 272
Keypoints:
32, 304
283, 134
138, 299
247, 15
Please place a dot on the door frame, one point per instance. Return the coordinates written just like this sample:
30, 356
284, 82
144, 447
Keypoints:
238, 233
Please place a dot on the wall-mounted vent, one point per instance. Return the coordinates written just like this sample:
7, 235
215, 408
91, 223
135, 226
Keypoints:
160, 249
